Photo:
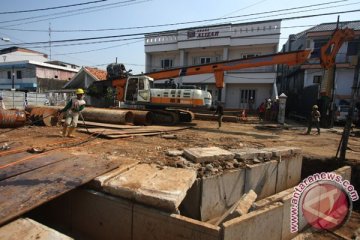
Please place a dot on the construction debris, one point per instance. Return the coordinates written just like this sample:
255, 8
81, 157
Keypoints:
240, 208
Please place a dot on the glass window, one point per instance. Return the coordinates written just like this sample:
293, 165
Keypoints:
166, 63
18, 75
9, 74
247, 95
204, 60
352, 49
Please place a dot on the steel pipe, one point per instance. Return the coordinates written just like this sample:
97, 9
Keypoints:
12, 118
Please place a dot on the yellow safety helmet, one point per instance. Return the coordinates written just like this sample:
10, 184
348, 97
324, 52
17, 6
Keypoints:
315, 107
79, 91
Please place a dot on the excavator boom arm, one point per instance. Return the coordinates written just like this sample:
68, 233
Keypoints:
290, 58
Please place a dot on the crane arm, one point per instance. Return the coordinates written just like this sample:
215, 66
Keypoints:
290, 58
331, 48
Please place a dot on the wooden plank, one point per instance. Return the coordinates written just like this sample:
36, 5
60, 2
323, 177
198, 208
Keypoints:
107, 125
105, 131
24, 192
30, 162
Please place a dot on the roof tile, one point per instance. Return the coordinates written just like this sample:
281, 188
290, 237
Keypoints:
98, 73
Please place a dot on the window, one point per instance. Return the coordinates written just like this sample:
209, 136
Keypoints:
204, 60
9, 74
317, 46
352, 49
18, 75
249, 55
317, 79
166, 63
247, 95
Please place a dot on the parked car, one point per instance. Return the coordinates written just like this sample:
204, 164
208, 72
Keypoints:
342, 113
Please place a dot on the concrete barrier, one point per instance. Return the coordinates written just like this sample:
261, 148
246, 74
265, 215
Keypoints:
259, 224
27, 229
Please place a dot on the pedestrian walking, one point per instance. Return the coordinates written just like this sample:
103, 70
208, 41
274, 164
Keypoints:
314, 119
2, 104
220, 112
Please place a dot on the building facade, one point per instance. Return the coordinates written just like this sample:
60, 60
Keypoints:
306, 85
244, 88
33, 76
13, 54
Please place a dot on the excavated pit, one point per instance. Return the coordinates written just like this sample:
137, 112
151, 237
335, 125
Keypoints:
90, 212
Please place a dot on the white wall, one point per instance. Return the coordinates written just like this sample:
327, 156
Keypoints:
232, 98
21, 56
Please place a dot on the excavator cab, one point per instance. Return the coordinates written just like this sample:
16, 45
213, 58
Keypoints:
138, 89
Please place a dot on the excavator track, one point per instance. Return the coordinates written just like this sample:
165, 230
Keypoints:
171, 116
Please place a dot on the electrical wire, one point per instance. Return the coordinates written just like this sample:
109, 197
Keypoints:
52, 8
75, 12
188, 22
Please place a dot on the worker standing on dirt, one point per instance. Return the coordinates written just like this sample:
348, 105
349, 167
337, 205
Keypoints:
2, 104
73, 109
220, 112
314, 119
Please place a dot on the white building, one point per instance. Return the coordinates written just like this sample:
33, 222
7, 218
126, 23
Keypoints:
305, 86
13, 54
194, 46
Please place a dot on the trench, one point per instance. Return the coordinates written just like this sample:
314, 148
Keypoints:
107, 216
315, 165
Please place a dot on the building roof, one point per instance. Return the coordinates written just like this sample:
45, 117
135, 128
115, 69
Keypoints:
324, 27
61, 63
24, 63
78, 81
97, 73
19, 49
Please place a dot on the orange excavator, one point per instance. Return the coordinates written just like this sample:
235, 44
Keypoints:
137, 90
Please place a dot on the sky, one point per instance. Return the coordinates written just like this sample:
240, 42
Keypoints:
20, 24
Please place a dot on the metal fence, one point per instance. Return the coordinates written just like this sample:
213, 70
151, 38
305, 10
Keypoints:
18, 100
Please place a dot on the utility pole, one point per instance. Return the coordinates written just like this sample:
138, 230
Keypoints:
355, 91
50, 41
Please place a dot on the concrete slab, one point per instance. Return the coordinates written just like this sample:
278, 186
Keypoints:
283, 151
27, 229
272, 199
289, 171
261, 178
220, 192
251, 153
345, 172
152, 224
260, 224
286, 234
209, 154
240, 208
99, 216
99, 181
163, 188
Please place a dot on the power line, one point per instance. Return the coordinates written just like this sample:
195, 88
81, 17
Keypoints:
51, 8
191, 22
98, 49
96, 8
137, 34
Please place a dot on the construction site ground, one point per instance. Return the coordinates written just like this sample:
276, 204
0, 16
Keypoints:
318, 150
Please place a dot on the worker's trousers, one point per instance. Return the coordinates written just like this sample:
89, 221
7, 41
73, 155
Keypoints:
71, 118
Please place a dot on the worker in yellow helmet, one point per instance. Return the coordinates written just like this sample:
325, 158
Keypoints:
314, 119
72, 109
